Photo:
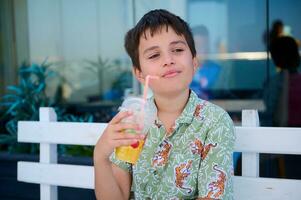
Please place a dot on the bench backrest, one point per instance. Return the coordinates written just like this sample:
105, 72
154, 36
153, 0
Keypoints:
251, 140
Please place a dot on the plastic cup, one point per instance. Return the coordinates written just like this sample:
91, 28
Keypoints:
144, 116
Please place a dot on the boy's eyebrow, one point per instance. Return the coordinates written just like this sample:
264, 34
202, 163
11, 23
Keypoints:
150, 49
178, 42
172, 43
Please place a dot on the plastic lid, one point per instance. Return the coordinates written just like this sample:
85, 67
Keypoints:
135, 104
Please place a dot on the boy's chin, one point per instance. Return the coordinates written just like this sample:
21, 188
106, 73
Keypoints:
172, 91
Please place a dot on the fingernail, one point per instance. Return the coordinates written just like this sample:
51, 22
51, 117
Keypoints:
135, 145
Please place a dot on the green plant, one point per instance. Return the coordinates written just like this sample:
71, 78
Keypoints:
23, 102
101, 67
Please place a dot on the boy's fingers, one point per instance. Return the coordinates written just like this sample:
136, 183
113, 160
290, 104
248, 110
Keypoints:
127, 126
127, 136
120, 116
126, 142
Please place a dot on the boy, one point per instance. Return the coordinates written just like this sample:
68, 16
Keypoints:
188, 151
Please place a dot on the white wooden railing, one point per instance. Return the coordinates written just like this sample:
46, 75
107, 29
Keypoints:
251, 140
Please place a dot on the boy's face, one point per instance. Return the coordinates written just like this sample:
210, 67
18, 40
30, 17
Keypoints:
167, 55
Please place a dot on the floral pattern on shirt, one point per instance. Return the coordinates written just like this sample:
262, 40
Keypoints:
195, 161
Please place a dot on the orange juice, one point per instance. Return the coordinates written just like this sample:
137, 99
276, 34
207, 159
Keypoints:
131, 153
128, 153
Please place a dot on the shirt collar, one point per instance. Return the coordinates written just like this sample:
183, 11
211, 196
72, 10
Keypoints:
188, 112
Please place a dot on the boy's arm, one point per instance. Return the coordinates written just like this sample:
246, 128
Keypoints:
216, 168
107, 185
112, 182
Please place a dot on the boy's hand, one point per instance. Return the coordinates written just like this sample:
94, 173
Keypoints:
114, 136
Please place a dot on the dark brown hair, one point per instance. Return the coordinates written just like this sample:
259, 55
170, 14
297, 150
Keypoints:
285, 54
155, 20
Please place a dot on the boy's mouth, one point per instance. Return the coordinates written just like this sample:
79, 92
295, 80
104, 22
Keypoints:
171, 73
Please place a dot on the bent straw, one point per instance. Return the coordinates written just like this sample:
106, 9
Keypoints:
145, 90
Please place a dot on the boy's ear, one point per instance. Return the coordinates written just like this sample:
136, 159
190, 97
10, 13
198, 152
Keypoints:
195, 63
138, 74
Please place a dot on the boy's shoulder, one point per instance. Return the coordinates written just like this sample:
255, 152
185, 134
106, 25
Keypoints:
210, 107
210, 111
210, 117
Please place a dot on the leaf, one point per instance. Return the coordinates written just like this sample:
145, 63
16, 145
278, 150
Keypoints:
10, 96
34, 69
15, 89
11, 127
25, 84
73, 118
6, 104
90, 118
40, 88
44, 62
7, 139
19, 148
15, 105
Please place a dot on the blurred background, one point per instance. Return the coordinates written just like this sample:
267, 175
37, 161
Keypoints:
82, 41
69, 54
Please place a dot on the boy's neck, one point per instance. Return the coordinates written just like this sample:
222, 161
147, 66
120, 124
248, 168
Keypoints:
172, 105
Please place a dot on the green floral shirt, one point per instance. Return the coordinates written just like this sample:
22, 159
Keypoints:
193, 161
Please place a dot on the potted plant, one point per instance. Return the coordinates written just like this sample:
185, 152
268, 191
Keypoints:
22, 103
110, 69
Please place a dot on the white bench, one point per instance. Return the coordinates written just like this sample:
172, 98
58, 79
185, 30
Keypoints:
251, 140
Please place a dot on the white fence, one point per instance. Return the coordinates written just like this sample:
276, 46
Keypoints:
251, 140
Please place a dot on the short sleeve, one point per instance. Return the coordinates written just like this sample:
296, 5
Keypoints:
123, 165
216, 168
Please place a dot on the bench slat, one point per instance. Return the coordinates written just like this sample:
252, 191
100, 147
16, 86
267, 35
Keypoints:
281, 140
83, 177
268, 140
77, 176
60, 132
249, 188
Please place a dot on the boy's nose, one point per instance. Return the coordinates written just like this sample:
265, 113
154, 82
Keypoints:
168, 60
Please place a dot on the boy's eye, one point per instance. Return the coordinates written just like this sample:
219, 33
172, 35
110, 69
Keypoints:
177, 50
153, 56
